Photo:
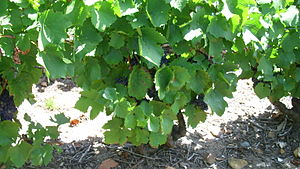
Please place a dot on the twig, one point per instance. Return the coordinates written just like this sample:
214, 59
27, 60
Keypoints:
141, 161
7, 36
286, 132
140, 155
86, 151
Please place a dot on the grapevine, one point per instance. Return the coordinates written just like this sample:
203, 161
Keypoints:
149, 64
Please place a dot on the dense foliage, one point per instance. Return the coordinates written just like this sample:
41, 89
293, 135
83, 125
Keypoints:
144, 62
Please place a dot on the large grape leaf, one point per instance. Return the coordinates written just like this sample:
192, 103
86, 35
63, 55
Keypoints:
162, 79
116, 41
199, 82
149, 45
158, 12
215, 101
195, 115
153, 124
122, 109
104, 17
219, 28
115, 136
90, 98
181, 76
140, 136
262, 90
139, 82
166, 125
77, 12
54, 63
53, 28
20, 153
157, 139
130, 121
265, 66
180, 100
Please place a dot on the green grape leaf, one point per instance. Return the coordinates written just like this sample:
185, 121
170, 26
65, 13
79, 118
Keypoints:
60, 119
130, 121
113, 57
122, 109
166, 125
116, 41
199, 82
4, 155
153, 35
297, 74
127, 7
110, 94
153, 124
142, 136
54, 63
195, 115
140, 117
262, 90
20, 153
162, 79
180, 100
3, 7
150, 50
104, 17
181, 76
215, 47
139, 82
178, 4
113, 123
90, 98
53, 28
215, 101
157, 139
115, 136
219, 28
77, 12
265, 66
23, 42
9, 129
158, 12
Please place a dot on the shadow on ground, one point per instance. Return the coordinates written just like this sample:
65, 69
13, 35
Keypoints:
265, 141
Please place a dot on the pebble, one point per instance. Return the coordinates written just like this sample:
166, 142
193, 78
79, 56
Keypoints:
236, 163
210, 159
271, 134
245, 144
297, 152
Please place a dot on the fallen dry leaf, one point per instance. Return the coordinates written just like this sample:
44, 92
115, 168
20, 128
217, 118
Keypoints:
108, 164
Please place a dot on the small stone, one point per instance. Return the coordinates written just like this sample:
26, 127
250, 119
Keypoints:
271, 134
281, 151
297, 152
245, 144
169, 167
281, 144
215, 131
210, 159
44, 84
236, 163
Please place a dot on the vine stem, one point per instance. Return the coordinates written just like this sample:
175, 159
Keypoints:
7, 36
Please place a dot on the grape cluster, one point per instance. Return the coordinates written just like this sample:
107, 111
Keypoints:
198, 101
134, 61
7, 106
122, 80
152, 93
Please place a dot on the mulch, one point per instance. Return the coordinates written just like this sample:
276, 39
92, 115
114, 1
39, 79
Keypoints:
265, 141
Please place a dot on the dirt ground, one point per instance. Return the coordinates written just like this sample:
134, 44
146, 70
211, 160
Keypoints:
251, 134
